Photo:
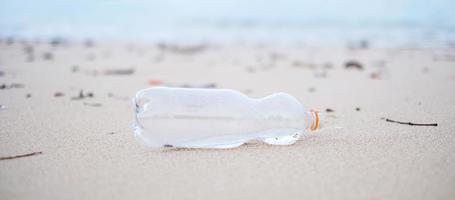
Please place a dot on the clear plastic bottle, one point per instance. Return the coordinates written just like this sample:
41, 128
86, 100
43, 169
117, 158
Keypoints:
218, 118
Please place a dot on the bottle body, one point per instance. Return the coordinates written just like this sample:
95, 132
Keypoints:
216, 118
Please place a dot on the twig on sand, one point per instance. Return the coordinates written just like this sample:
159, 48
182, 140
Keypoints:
410, 123
20, 156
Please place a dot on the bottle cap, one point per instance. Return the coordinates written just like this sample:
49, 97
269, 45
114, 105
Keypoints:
317, 119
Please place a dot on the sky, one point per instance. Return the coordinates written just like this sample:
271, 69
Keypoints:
142, 18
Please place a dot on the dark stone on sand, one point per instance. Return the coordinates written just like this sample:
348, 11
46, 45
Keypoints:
375, 75
357, 109
329, 110
74, 68
28, 95
28, 49
48, 56
30, 58
58, 94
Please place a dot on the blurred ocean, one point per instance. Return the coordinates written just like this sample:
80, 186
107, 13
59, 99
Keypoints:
384, 23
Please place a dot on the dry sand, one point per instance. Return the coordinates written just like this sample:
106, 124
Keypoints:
88, 149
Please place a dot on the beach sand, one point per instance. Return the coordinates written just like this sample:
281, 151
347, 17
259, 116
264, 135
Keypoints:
87, 149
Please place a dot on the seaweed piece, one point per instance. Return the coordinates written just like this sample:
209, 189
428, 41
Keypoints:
353, 64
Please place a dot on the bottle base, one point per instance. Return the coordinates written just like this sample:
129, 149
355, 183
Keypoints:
272, 137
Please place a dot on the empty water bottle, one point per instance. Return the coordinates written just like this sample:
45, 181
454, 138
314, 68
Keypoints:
218, 118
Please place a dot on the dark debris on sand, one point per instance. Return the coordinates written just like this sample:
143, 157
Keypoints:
58, 94
83, 95
75, 68
11, 86
127, 71
352, 64
29, 52
20, 156
48, 56
409, 123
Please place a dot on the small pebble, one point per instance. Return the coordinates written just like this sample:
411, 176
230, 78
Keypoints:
375, 75
48, 56
74, 68
58, 94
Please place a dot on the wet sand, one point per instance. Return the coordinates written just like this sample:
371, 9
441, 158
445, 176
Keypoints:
66, 116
